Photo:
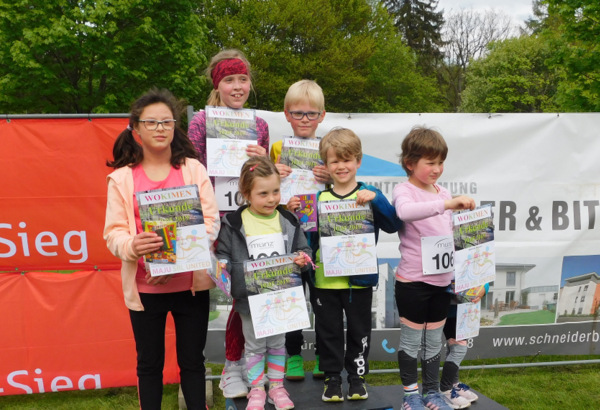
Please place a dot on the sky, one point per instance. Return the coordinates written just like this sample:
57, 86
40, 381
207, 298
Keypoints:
519, 10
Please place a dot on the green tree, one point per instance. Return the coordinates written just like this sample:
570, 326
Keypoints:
421, 27
513, 77
81, 56
579, 25
334, 42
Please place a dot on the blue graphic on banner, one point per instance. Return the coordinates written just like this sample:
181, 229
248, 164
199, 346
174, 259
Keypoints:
373, 166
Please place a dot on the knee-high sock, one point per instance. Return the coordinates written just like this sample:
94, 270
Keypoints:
410, 340
432, 347
456, 354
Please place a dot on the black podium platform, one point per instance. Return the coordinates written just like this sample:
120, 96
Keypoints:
307, 395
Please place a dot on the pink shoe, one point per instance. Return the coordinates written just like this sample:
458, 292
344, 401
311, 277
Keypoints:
280, 398
256, 399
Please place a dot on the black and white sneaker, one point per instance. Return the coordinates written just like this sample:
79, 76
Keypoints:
333, 389
357, 389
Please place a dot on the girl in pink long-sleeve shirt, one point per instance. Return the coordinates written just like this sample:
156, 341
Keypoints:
425, 270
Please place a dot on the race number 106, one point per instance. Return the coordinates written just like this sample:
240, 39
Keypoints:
444, 260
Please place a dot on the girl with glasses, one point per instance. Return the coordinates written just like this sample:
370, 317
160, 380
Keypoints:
154, 153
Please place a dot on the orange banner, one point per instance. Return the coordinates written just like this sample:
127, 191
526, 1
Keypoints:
68, 332
53, 193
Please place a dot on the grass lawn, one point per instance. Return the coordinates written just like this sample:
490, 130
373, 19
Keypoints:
530, 388
213, 315
529, 318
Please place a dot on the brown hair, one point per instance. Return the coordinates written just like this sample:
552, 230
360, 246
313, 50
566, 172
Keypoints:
127, 151
422, 142
344, 142
255, 167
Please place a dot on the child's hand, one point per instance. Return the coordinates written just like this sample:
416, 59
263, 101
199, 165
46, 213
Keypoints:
256, 150
146, 242
460, 202
300, 259
321, 174
293, 203
284, 170
479, 295
364, 195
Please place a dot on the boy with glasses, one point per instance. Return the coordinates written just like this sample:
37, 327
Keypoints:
304, 108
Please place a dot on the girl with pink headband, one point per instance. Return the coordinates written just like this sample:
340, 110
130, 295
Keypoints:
229, 72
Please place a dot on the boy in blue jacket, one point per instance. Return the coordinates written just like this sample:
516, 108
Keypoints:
341, 151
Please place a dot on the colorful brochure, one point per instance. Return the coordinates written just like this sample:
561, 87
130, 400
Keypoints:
307, 212
347, 237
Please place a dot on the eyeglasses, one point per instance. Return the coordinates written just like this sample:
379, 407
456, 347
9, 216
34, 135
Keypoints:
311, 115
152, 125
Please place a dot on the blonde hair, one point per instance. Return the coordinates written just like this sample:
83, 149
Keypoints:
345, 144
422, 142
214, 98
305, 91
255, 167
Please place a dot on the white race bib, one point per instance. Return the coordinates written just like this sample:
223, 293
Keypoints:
265, 246
437, 253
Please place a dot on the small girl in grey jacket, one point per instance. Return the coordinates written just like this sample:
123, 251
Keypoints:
259, 229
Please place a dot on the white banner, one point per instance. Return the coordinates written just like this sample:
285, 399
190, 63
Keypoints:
540, 172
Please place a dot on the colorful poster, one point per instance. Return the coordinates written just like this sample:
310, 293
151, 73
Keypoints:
302, 155
180, 206
468, 317
279, 312
307, 212
475, 256
228, 134
300, 181
347, 236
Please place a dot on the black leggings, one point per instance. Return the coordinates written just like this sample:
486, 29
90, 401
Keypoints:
190, 314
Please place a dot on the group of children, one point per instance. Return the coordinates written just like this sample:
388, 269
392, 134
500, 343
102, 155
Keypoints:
154, 153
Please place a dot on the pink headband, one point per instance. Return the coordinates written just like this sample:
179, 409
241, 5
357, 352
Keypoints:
227, 67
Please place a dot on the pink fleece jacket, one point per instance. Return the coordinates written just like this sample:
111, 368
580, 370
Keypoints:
119, 226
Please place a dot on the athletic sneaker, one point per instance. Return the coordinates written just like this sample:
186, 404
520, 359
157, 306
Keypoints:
317, 373
256, 399
232, 382
466, 392
436, 400
333, 389
280, 398
357, 389
413, 402
455, 400
295, 368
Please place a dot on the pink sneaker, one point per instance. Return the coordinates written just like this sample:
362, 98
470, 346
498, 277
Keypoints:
280, 398
256, 399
